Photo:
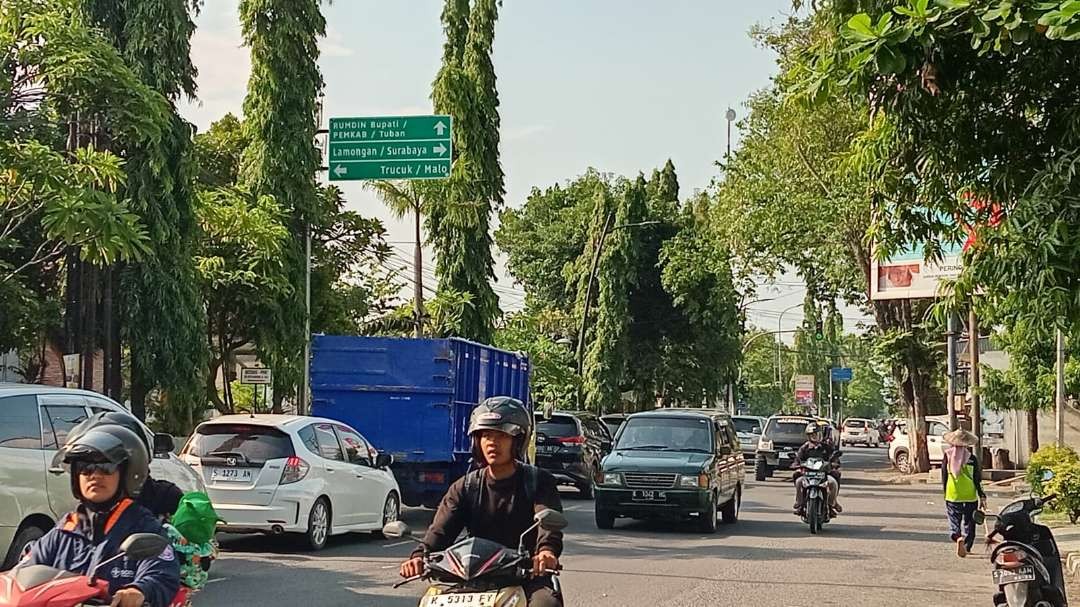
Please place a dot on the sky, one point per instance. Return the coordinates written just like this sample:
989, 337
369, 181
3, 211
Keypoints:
618, 85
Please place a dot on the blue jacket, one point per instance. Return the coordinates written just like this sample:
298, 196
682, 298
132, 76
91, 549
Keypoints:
79, 542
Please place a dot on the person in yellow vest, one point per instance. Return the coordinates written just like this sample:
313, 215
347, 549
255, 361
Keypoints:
961, 477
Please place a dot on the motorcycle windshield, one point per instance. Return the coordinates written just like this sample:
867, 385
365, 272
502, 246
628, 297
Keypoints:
815, 464
472, 558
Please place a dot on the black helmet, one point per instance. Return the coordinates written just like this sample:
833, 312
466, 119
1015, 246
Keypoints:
502, 414
115, 418
113, 444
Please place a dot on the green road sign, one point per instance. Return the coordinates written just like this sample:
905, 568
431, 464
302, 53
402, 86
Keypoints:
390, 147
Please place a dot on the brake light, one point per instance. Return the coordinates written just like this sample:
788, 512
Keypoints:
295, 469
571, 440
433, 477
1009, 559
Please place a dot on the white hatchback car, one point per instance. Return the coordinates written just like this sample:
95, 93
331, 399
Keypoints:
34, 420
860, 431
293, 474
899, 448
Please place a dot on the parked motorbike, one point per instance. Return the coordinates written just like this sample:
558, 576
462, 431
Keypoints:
44, 586
479, 572
1026, 561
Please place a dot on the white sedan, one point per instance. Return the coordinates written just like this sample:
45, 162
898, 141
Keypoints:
293, 474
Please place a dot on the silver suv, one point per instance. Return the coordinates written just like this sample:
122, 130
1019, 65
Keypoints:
34, 420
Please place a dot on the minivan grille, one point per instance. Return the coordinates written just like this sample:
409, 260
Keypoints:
647, 480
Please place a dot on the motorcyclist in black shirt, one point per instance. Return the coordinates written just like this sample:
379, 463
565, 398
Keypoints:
816, 447
498, 501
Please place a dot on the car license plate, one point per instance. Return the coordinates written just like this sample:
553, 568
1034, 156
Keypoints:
471, 599
231, 475
786, 455
1003, 577
546, 449
649, 496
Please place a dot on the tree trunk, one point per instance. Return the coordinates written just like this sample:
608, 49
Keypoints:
88, 320
107, 321
140, 387
211, 387
1033, 430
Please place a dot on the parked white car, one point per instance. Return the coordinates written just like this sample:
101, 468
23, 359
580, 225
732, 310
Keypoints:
859, 431
291, 474
34, 420
900, 450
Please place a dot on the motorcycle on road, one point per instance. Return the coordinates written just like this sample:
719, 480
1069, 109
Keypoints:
816, 511
478, 572
1025, 558
44, 586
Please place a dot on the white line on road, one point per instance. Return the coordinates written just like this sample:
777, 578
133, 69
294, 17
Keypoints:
217, 579
396, 544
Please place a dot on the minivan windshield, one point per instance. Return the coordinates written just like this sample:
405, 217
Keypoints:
252, 445
665, 434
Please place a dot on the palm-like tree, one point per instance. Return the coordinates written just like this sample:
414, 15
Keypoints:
405, 198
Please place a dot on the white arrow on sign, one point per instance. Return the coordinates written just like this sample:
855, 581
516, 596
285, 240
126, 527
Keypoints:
340, 170
440, 149
440, 128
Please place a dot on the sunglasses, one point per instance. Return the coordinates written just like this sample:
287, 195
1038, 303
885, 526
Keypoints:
89, 468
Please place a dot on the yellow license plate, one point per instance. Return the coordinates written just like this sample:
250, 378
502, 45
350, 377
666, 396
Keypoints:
467, 599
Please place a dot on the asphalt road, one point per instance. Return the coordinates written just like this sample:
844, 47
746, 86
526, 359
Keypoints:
888, 548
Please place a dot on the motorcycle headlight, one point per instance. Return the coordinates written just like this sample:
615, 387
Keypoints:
612, 478
698, 481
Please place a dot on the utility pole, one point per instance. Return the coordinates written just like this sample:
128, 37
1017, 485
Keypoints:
302, 404
950, 342
976, 408
1059, 392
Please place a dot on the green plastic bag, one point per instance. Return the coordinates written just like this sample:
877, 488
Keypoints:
196, 518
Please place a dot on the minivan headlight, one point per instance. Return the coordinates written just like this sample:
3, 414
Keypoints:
612, 478
697, 481
765, 444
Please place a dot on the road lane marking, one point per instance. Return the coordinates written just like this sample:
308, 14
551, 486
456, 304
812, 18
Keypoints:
396, 544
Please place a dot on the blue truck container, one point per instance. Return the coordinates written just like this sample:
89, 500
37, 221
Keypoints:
412, 398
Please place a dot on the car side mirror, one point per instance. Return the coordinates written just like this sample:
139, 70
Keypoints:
164, 444
606, 445
551, 520
384, 460
143, 546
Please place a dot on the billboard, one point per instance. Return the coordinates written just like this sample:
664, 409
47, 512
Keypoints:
907, 275
804, 390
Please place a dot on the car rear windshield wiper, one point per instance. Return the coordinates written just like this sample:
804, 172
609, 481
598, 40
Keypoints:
644, 448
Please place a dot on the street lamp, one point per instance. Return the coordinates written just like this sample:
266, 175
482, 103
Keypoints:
779, 343
730, 115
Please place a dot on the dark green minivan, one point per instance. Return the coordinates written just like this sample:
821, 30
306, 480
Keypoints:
674, 464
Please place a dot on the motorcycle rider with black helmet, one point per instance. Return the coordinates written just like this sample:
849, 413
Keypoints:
817, 446
108, 466
160, 497
498, 501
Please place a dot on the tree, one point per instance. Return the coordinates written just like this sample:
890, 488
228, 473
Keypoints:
554, 379
61, 74
605, 362
460, 213
404, 198
758, 387
281, 159
800, 194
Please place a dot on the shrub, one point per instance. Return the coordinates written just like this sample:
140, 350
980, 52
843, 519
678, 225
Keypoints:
1064, 462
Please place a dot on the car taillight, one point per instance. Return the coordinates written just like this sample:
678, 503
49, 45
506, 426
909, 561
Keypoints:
571, 440
295, 469
437, 478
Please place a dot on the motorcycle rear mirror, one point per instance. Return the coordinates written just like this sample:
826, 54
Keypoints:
142, 546
1047, 475
396, 530
551, 520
